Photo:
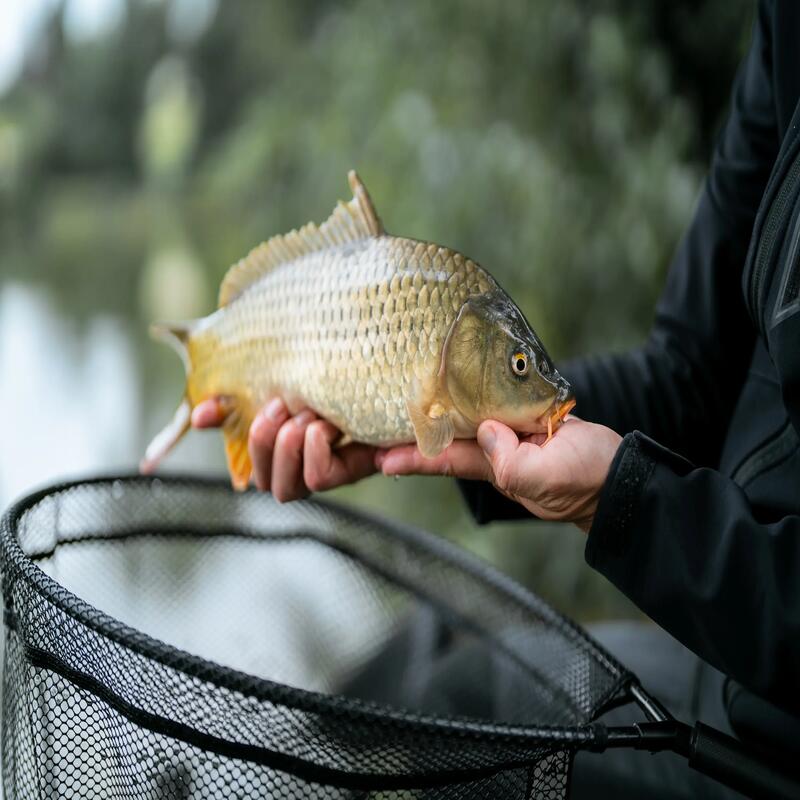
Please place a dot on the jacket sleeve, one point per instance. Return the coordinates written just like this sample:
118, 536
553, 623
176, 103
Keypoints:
681, 385
683, 544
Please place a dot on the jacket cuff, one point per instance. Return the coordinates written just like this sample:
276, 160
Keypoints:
616, 510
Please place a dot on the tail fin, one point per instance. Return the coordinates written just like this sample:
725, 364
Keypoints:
238, 414
166, 439
176, 335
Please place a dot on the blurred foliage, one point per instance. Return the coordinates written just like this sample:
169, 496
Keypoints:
560, 144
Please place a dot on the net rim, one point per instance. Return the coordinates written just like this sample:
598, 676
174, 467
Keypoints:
265, 690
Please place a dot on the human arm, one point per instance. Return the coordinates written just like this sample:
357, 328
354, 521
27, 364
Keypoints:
687, 375
681, 542
686, 546
561, 481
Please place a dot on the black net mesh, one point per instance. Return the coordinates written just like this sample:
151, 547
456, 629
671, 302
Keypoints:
168, 638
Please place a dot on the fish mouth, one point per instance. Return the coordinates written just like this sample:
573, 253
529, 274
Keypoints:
556, 417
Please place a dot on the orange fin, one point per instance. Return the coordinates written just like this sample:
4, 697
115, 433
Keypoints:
236, 429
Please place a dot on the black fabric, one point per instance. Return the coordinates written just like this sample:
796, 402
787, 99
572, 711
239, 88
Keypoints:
629, 472
699, 563
709, 546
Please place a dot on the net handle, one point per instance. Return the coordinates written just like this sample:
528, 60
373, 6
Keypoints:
711, 753
707, 750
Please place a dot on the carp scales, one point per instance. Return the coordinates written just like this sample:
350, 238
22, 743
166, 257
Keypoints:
392, 340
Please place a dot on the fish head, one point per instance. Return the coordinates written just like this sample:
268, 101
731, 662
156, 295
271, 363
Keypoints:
496, 367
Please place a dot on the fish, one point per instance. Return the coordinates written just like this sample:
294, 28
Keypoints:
392, 339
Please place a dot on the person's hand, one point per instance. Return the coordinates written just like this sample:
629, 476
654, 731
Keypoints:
294, 455
559, 481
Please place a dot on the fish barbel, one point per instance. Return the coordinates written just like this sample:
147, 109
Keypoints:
391, 339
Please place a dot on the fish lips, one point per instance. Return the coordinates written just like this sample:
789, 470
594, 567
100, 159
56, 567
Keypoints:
557, 412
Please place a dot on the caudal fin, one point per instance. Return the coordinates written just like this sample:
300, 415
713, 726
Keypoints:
167, 438
238, 416
177, 336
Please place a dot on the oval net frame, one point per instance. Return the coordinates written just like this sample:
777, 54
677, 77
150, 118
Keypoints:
168, 637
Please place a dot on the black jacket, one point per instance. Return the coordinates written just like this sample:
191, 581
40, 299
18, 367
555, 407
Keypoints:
699, 520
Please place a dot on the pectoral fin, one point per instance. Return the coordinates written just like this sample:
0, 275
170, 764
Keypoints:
434, 430
236, 430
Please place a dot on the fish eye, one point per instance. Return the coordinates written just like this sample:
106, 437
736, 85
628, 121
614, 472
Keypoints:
519, 364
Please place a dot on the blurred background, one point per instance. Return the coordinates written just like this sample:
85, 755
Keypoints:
145, 145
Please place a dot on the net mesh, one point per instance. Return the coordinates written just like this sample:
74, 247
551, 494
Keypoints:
168, 638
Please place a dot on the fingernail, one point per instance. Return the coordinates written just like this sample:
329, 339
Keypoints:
380, 457
274, 409
487, 438
303, 418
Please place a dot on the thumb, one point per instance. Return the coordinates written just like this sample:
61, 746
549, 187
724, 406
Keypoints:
500, 445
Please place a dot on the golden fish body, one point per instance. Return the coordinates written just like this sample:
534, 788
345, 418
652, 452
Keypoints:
388, 338
352, 332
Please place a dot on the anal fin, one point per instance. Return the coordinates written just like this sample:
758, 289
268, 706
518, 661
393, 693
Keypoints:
236, 430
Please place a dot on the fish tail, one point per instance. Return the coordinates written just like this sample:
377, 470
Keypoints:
177, 335
237, 411
167, 438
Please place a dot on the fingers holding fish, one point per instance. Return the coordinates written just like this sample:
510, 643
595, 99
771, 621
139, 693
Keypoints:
561, 480
462, 459
286, 479
325, 467
208, 414
261, 440
514, 463
304, 454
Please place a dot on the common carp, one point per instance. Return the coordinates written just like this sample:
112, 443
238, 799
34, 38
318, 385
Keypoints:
391, 339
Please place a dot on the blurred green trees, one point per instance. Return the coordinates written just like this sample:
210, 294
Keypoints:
559, 144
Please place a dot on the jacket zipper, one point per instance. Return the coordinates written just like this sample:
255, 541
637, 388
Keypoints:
767, 455
790, 282
769, 235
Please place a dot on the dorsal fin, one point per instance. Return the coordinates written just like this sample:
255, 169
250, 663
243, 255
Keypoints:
349, 222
